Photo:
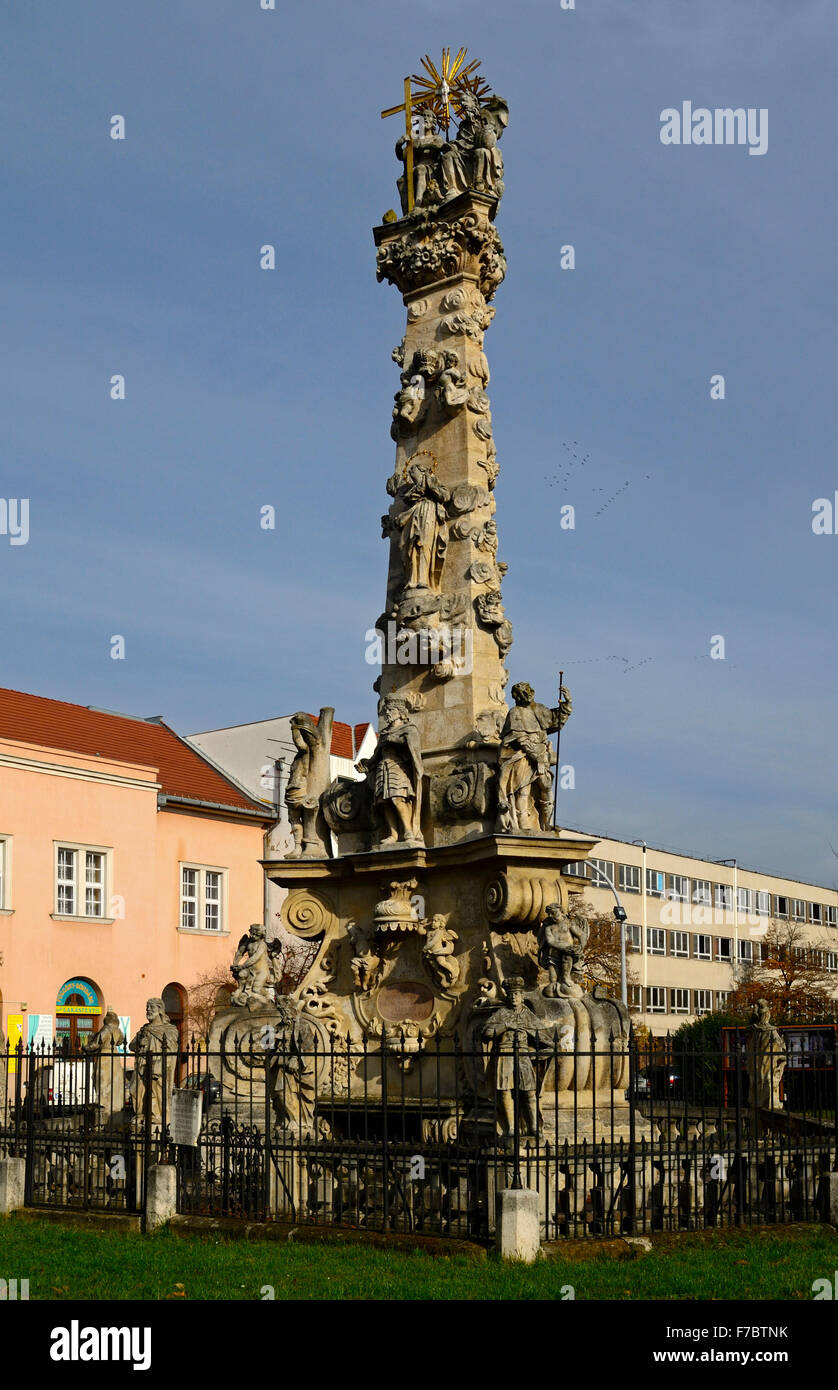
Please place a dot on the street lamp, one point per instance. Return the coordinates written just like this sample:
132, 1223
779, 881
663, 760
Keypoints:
620, 916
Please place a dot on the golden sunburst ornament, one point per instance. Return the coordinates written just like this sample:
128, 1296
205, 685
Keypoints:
441, 89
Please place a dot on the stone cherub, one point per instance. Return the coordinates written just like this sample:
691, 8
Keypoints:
252, 970
525, 778
307, 782
562, 938
439, 952
366, 962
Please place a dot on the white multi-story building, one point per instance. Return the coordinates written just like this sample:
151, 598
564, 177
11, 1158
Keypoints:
695, 924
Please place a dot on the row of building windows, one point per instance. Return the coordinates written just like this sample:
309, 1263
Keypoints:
698, 946
83, 876
660, 1000
702, 892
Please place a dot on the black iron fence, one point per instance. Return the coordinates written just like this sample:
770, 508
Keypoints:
416, 1136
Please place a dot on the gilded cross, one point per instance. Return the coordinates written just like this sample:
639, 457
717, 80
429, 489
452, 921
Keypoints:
407, 108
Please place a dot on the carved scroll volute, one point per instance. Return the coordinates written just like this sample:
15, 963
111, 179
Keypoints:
522, 898
308, 915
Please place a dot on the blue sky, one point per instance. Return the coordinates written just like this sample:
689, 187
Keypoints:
246, 387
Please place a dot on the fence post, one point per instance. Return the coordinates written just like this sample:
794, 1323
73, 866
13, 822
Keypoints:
29, 1148
517, 1184
738, 1171
385, 1157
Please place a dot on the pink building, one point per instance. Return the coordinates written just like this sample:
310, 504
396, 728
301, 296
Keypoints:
129, 867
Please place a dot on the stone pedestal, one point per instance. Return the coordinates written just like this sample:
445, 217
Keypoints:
161, 1195
12, 1184
517, 1231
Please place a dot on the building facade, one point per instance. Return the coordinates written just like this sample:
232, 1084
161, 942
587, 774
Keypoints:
695, 925
127, 864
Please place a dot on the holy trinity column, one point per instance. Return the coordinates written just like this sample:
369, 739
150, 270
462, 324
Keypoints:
444, 634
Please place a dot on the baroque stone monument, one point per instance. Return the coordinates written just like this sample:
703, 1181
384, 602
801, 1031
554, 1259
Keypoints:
442, 865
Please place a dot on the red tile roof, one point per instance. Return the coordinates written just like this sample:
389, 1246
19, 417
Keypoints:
346, 741
182, 772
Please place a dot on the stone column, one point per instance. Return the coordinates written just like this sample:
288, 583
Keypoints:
443, 578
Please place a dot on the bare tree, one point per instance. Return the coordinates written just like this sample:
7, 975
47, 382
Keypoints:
790, 972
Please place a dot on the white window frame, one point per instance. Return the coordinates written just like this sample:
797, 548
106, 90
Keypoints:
629, 876
831, 916
745, 900
722, 996
577, 869
655, 993
658, 878
763, 903
201, 900
634, 936
745, 953
656, 941
680, 1002
702, 894
79, 881
703, 1002
782, 898
678, 888
798, 909
679, 944
724, 959
816, 914
5, 873
597, 868
832, 962
700, 953
723, 897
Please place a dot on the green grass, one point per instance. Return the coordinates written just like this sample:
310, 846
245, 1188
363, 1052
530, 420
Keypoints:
62, 1262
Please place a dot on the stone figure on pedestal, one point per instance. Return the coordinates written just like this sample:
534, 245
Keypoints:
108, 1067
295, 1083
155, 1047
525, 779
422, 525
307, 782
562, 938
511, 1028
477, 142
765, 1059
395, 770
426, 152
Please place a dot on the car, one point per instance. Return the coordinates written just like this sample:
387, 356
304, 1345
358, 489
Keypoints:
206, 1084
656, 1083
62, 1088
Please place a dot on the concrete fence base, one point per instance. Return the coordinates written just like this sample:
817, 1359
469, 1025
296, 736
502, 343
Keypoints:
517, 1226
12, 1184
161, 1195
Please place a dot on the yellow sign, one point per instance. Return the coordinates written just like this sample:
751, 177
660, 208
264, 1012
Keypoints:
78, 1009
14, 1023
